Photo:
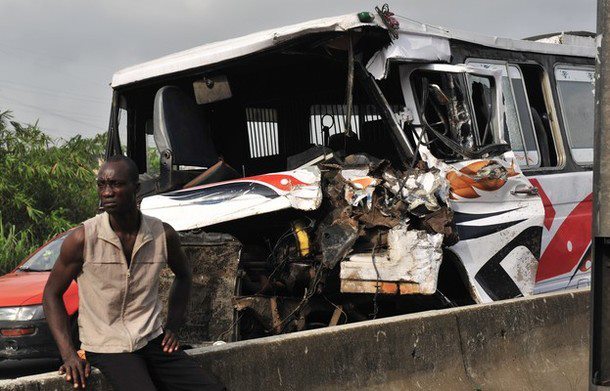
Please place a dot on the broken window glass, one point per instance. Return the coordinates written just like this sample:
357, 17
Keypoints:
482, 103
446, 113
576, 94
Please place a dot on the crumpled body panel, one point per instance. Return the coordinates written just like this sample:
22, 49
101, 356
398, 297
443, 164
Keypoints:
207, 205
410, 265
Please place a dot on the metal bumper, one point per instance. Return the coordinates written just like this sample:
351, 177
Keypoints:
40, 344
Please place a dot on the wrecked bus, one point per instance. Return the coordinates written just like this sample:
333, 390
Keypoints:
362, 166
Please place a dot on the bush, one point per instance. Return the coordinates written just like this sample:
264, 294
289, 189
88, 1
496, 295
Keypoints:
14, 247
46, 186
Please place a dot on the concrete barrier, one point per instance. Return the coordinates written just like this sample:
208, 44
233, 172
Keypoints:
523, 344
540, 344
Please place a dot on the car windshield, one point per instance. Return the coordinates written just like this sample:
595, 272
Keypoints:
44, 259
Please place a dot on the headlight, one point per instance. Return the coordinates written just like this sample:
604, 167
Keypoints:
31, 312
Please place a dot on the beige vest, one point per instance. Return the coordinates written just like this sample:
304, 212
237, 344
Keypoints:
119, 307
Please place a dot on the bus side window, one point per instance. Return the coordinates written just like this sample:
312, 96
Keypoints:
575, 87
537, 104
152, 153
518, 126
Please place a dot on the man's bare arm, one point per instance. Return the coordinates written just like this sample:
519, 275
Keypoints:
180, 291
68, 265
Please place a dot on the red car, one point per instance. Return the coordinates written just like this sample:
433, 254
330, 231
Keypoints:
24, 332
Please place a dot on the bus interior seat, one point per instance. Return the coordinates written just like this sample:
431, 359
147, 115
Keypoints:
547, 127
482, 107
183, 138
219, 172
371, 135
345, 144
543, 138
148, 185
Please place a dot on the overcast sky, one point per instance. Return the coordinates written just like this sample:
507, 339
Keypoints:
57, 57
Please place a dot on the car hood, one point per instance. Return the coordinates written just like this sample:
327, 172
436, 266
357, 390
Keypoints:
18, 287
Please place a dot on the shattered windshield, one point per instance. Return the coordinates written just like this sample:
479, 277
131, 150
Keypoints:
456, 112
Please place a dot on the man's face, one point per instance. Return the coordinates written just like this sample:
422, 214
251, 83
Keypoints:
116, 191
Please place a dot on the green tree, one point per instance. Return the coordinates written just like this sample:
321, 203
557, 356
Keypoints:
46, 185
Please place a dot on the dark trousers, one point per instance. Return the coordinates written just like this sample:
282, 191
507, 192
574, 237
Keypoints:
150, 369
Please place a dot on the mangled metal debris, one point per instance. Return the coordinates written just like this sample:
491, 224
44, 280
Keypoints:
378, 230
333, 237
336, 240
409, 265
360, 187
417, 189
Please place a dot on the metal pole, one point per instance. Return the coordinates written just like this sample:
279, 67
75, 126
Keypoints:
350, 85
600, 289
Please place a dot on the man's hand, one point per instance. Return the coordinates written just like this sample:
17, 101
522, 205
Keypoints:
170, 342
76, 370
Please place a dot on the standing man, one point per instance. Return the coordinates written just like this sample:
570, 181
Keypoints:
116, 258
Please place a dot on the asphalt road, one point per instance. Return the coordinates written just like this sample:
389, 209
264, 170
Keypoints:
11, 369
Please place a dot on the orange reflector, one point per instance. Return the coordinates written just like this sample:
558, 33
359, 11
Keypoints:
17, 332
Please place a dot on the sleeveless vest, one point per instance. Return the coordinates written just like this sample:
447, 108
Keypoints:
119, 306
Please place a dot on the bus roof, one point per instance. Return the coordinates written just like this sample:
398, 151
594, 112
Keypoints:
217, 52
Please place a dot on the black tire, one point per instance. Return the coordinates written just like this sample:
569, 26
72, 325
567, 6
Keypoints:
452, 281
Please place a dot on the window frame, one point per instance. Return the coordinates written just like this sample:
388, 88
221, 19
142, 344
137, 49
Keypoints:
529, 112
565, 129
411, 98
113, 144
507, 65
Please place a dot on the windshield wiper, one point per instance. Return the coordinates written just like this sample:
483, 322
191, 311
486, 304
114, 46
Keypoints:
29, 269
